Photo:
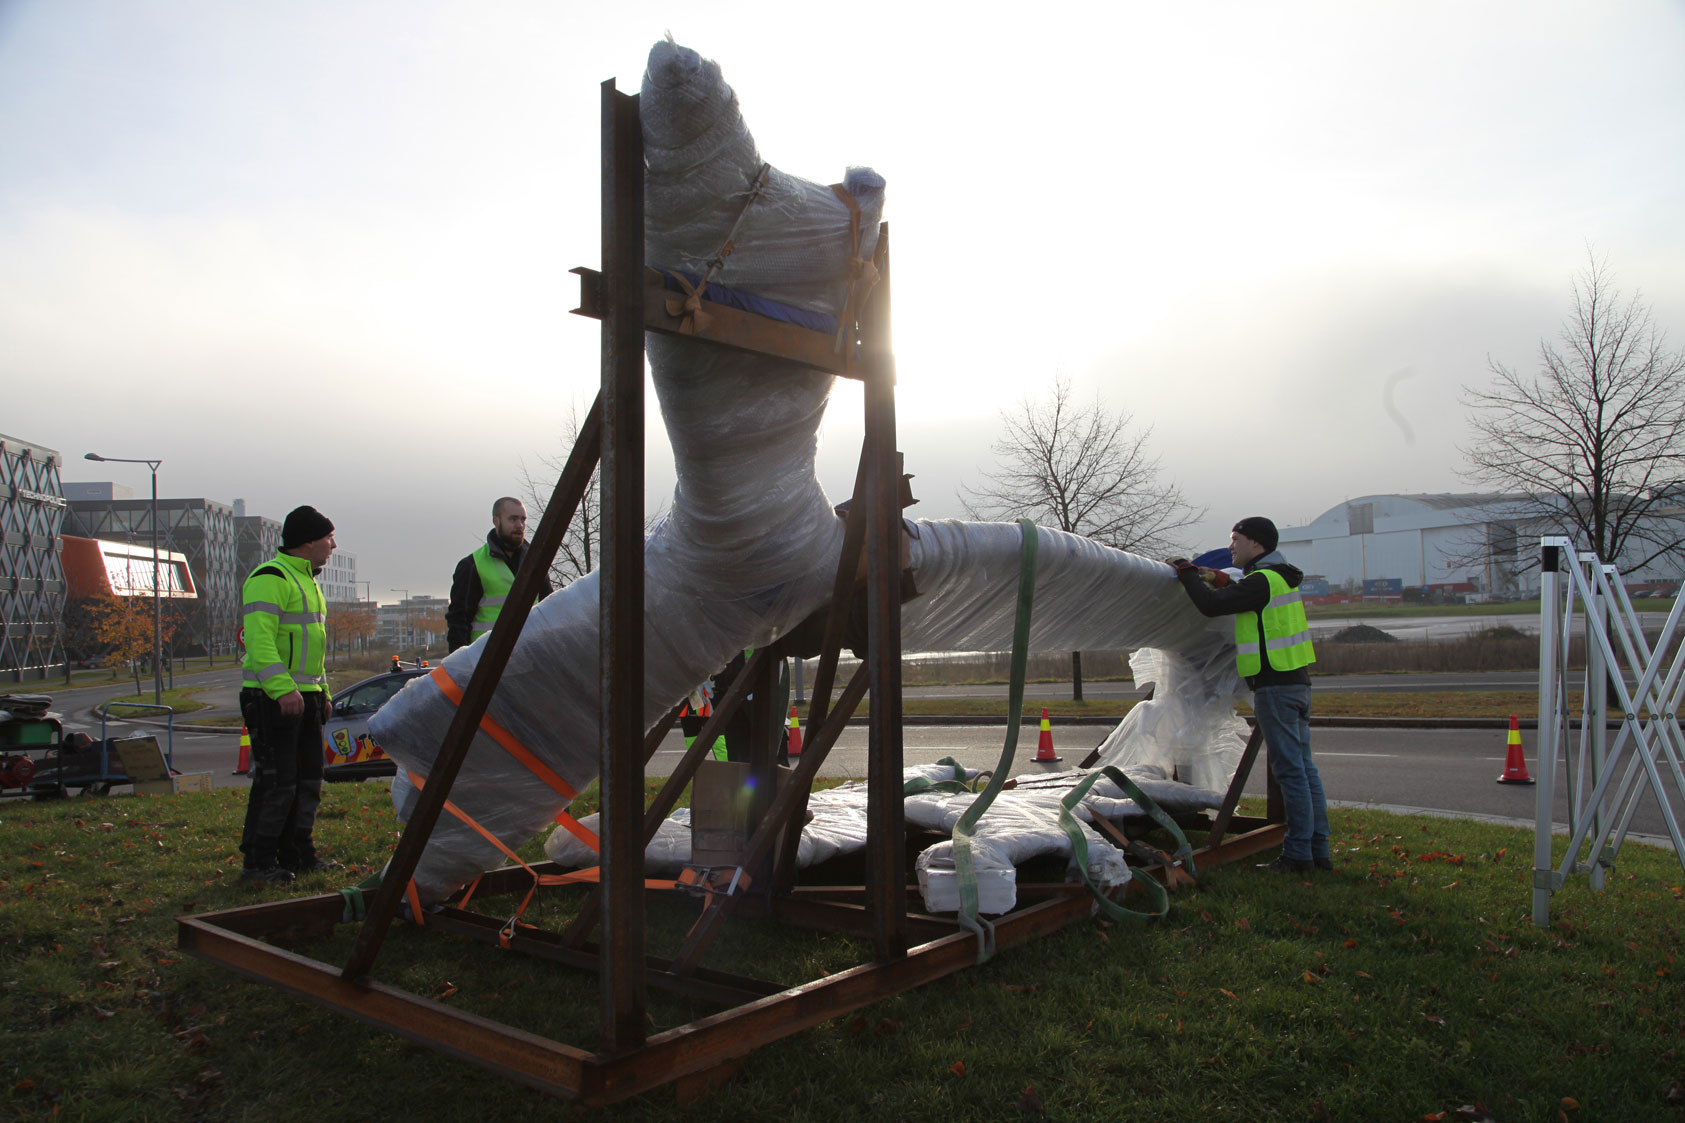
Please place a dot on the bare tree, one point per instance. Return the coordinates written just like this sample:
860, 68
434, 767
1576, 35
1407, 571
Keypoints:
1082, 468
1593, 444
581, 546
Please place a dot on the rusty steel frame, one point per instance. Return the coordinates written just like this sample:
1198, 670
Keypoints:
910, 948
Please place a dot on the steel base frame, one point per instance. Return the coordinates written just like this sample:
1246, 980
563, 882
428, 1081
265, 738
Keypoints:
240, 939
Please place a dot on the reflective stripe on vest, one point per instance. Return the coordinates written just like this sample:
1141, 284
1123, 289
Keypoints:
1287, 633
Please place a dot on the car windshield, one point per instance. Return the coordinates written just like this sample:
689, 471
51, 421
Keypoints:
367, 697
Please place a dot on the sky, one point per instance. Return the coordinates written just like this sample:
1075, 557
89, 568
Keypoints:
317, 251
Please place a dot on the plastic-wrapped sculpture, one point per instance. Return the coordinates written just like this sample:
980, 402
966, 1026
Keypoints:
749, 547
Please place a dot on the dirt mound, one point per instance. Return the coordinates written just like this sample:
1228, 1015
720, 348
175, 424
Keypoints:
1362, 633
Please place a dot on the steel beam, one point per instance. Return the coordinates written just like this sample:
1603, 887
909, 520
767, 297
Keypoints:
726, 326
621, 575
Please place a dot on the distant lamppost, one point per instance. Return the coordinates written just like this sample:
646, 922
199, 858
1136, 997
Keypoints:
157, 603
363, 640
409, 636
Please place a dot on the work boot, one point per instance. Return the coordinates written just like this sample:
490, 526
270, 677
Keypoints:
1284, 864
266, 875
312, 864
1323, 863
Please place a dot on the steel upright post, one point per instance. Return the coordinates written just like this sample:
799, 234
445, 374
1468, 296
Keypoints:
886, 863
621, 632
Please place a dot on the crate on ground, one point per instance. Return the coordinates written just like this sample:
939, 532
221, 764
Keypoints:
719, 811
144, 762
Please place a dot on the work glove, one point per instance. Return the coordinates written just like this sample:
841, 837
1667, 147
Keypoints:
1179, 565
1216, 578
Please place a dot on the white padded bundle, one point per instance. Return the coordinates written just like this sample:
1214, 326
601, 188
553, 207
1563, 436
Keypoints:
751, 542
1021, 824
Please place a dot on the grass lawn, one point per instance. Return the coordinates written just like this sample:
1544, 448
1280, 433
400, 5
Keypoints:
181, 699
1406, 984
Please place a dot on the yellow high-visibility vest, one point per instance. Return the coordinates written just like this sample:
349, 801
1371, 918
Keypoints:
1287, 634
285, 627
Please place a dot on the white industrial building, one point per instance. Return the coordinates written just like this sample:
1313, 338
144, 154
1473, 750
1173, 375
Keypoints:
1471, 544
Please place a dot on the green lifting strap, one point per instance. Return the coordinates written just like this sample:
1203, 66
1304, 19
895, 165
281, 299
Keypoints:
964, 872
1079, 844
954, 784
356, 903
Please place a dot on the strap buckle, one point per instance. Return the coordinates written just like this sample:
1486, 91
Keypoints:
719, 881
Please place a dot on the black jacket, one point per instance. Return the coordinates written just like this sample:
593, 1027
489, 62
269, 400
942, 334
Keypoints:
466, 590
1250, 594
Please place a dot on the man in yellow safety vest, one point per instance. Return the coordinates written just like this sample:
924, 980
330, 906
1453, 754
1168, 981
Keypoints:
483, 579
1272, 652
284, 700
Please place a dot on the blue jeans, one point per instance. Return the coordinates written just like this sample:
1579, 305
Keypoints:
1283, 714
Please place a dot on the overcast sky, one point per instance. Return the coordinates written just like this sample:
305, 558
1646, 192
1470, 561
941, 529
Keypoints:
318, 251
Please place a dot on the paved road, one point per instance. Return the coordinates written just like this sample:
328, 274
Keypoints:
1447, 770
1372, 684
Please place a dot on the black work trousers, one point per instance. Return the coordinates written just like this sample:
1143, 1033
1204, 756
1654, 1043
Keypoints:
286, 780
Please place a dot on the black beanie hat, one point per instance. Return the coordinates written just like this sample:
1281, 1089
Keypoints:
1260, 530
304, 524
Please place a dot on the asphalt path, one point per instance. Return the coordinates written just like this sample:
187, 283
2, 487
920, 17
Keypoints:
1438, 771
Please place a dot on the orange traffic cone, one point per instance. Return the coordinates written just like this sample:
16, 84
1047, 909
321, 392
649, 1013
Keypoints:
245, 764
1044, 745
795, 748
1515, 765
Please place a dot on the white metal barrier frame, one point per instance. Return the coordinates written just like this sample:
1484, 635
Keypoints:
1604, 813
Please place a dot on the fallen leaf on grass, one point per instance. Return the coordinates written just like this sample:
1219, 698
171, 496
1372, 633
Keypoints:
1028, 1102
1569, 1103
887, 1027
957, 1068
23, 1086
963, 1025
1243, 924
1230, 993
1364, 975
857, 1026
1310, 978
1474, 1113
100, 1014
1349, 944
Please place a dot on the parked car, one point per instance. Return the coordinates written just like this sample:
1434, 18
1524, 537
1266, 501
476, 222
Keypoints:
349, 752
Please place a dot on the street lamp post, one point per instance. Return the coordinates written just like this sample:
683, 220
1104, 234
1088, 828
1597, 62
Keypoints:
371, 621
157, 602
409, 635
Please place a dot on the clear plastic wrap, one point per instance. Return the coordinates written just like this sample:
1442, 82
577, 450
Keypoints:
1088, 597
749, 547
1188, 729
750, 544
